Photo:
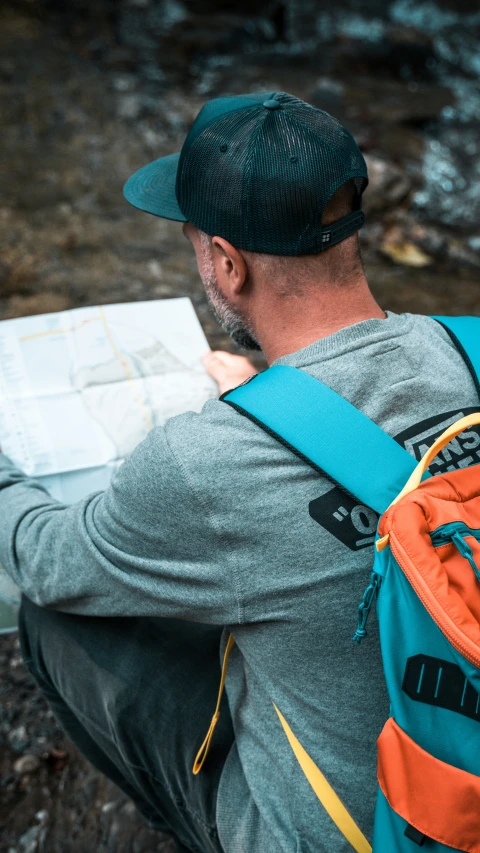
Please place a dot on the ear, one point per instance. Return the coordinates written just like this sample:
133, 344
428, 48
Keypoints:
230, 266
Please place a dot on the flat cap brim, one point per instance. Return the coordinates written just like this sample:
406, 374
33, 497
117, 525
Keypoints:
152, 188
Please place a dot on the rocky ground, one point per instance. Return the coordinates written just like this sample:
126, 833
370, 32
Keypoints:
90, 91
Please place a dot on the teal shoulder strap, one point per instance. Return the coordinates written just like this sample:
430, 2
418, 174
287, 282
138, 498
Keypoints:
465, 334
327, 432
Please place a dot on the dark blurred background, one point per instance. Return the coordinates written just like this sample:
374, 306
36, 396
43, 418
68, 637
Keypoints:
93, 89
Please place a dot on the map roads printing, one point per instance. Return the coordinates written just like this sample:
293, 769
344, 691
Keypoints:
80, 389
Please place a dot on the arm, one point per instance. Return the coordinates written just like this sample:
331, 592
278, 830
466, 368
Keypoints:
146, 546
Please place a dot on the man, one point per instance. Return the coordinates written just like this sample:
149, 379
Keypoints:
211, 522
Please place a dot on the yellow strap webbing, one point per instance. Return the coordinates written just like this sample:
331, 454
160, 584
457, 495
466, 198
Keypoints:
325, 793
203, 751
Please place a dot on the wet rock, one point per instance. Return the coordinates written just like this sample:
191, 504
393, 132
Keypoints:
133, 105
5, 274
329, 94
19, 676
58, 759
398, 102
16, 273
42, 816
26, 764
389, 185
31, 841
372, 45
41, 303
124, 82
166, 16
474, 243
451, 170
403, 252
111, 806
18, 737
154, 268
411, 243
402, 143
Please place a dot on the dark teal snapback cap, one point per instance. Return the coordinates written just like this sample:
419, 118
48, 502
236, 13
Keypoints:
259, 171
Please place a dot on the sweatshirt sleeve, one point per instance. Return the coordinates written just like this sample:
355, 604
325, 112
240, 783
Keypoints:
147, 546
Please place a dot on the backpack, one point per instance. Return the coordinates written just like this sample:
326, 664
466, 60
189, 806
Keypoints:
426, 583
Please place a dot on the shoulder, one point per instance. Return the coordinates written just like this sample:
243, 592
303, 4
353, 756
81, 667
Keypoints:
215, 437
430, 329
222, 452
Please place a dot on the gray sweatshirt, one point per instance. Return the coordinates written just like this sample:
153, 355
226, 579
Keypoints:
211, 519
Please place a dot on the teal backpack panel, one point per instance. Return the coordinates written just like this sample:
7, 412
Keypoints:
407, 630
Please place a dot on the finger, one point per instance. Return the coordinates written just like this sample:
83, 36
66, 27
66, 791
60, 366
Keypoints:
217, 371
219, 355
214, 368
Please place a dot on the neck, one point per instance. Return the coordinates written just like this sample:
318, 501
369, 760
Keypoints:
283, 325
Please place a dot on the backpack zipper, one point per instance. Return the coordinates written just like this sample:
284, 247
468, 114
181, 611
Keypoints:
455, 532
455, 635
365, 606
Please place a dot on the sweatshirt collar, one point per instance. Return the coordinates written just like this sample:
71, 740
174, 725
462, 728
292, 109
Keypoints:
349, 338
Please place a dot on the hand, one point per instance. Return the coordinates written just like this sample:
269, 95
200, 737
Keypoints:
228, 370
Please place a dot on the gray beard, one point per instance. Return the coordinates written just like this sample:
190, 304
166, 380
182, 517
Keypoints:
229, 319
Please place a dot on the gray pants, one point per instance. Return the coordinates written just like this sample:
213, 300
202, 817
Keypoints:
136, 697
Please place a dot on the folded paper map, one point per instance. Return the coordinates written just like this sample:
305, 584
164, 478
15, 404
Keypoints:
80, 389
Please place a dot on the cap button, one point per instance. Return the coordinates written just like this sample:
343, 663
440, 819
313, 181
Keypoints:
271, 104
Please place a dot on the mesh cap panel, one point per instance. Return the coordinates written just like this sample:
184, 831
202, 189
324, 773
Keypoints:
261, 177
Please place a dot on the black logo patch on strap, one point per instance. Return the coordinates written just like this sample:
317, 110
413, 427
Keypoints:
440, 683
348, 520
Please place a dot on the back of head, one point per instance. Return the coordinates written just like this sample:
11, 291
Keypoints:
340, 264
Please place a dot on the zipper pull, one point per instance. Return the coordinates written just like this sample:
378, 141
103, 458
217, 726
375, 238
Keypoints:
365, 606
466, 551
